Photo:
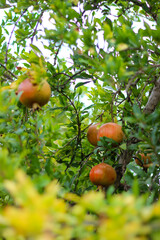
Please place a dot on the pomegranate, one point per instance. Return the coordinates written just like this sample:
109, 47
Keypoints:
102, 175
34, 94
145, 160
111, 130
92, 134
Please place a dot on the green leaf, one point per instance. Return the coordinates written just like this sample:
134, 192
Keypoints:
35, 48
137, 112
81, 84
73, 14
90, 106
56, 108
135, 187
109, 22
158, 19
4, 6
123, 146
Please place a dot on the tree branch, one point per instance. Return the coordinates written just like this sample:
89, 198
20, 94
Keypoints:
80, 169
35, 30
145, 8
12, 34
126, 155
154, 98
56, 55
13, 75
71, 77
79, 137
124, 160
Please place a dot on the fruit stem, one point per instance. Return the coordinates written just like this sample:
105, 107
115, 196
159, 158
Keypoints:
145, 169
101, 189
35, 106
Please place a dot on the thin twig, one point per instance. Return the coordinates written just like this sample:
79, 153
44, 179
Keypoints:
35, 30
55, 59
82, 131
155, 65
61, 73
8, 70
78, 124
144, 6
71, 77
82, 165
112, 103
130, 82
12, 34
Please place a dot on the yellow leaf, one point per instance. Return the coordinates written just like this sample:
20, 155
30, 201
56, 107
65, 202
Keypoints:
72, 197
122, 47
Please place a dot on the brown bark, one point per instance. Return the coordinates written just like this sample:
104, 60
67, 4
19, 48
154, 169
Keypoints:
154, 98
126, 155
125, 158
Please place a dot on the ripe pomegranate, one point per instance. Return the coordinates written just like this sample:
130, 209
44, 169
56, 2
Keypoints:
146, 160
92, 134
111, 130
102, 175
34, 94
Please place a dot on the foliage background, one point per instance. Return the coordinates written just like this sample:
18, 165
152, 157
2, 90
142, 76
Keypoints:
102, 67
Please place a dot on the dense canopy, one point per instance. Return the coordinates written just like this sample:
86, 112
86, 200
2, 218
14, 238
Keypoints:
101, 60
